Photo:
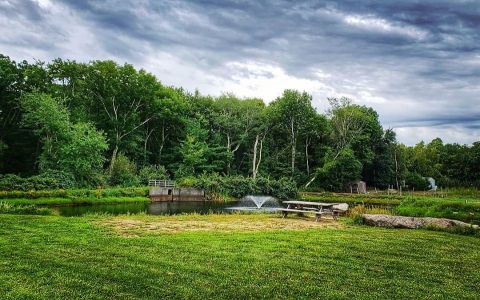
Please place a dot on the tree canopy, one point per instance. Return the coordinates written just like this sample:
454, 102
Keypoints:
105, 123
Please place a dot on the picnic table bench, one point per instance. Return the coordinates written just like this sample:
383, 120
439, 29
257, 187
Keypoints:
318, 208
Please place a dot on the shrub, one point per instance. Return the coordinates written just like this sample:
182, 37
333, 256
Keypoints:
123, 172
212, 183
11, 182
284, 188
336, 173
47, 180
152, 172
415, 180
52, 179
239, 186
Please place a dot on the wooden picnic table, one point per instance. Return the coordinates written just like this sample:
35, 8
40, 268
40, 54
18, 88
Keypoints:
302, 207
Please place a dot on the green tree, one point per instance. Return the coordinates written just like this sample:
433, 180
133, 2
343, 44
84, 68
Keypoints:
81, 154
166, 128
197, 155
339, 170
290, 114
19, 144
49, 120
118, 96
74, 148
236, 119
123, 172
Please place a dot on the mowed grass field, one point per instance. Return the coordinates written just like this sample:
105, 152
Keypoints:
229, 257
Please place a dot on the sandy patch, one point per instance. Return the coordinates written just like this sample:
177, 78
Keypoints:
128, 226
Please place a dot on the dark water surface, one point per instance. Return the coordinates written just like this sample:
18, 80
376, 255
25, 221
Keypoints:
171, 208
151, 208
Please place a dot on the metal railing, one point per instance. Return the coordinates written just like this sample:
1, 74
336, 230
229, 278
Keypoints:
162, 183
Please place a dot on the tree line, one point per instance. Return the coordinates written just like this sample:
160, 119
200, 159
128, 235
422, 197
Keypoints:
101, 123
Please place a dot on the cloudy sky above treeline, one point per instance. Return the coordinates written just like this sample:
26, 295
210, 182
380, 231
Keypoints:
416, 62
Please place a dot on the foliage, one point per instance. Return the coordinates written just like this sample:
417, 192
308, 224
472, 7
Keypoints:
123, 172
83, 154
338, 171
152, 172
416, 181
48, 180
291, 115
74, 148
11, 182
239, 186
77, 117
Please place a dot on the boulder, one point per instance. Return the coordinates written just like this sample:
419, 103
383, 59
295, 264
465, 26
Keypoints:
411, 222
341, 206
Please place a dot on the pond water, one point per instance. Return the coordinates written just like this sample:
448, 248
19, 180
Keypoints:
246, 204
151, 208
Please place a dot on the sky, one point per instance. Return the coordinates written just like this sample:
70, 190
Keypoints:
417, 63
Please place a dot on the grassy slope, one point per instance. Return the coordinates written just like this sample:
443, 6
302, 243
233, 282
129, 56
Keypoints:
55, 257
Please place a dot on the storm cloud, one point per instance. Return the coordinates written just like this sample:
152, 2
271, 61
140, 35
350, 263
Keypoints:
416, 63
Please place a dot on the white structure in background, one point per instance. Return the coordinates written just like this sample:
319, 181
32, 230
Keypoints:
357, 187
433, 186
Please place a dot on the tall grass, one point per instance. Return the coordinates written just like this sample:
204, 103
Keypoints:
463, 209
75, 193
6, 208
72, 200
459, 210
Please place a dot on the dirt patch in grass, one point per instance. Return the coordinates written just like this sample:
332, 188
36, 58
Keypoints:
136, 226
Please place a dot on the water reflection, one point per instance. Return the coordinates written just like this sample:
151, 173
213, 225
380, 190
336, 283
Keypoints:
151, 208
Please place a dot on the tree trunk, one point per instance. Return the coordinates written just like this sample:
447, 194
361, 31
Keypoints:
294, 142
114, 157
396, 167
230, 151
259, 156
311, 180
254, 163
161, 146
306, 156
145, 146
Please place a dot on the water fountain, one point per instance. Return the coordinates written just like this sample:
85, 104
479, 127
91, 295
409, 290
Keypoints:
257, 203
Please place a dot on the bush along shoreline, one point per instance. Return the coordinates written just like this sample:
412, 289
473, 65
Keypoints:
217, 188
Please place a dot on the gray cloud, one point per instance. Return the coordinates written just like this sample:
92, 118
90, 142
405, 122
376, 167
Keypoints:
416, 63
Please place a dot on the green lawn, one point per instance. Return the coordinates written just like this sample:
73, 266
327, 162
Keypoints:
229, 256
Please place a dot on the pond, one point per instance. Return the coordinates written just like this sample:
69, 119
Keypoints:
246, 204
151, 208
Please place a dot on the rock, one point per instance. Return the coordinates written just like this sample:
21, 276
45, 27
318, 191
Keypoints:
341, 206
411, 222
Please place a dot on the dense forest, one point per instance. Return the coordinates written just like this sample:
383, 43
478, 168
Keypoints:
105, 124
